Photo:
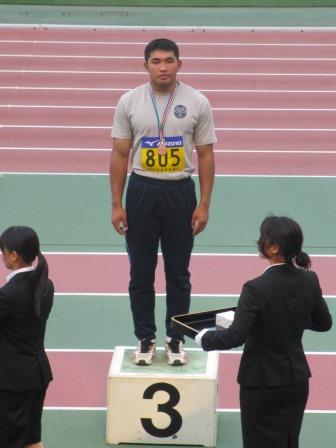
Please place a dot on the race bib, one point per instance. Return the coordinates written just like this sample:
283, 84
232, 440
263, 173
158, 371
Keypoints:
170, 162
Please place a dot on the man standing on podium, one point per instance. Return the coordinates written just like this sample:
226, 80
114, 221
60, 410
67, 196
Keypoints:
157, 125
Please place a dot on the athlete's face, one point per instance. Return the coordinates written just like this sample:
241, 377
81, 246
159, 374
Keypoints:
162, 67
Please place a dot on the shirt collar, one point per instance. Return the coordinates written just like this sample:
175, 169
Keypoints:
18, 271
271, 265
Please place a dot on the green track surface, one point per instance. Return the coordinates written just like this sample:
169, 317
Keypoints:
193, 3
102, 322
140, 16
72, 213
78, 429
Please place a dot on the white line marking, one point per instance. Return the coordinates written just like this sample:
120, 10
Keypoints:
24, 148
106, 72
107, 89
275, 176
225, 109
197, 58
313, 411
272, 176
34, 126
72, 408
288, 29
223, 352
217, 151
195, 254
271, 151
52, 106
221, 410
206, 44
125, 294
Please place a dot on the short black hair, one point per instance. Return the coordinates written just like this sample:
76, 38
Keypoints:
287, 234
161, 44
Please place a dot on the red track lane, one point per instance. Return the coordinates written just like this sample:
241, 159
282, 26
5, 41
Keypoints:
204, 82
225, 274
300, 100
196, 51
144, 35
45, 161
189, 65
237, 139
81, 379
230, 119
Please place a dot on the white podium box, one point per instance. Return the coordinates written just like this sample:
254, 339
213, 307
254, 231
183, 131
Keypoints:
162, 404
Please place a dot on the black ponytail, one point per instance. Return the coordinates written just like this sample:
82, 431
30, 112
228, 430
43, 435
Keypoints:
25, 242
38, 279
302, 260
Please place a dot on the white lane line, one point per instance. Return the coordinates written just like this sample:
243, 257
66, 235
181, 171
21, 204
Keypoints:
107, 89
93, 350
97, 174
221, 109
206, 44
108, 72
221, 410
217, 151
37, 126
249, 176
195, 254
196, 58
274, 29
125, 294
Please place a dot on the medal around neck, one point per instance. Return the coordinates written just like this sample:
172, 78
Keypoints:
162, 148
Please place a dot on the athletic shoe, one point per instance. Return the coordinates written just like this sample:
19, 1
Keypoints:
144, 354
176, 355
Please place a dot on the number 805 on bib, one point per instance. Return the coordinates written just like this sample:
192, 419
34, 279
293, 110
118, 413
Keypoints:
173, 159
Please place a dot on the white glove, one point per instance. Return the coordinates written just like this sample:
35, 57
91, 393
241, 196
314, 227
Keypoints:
198, 337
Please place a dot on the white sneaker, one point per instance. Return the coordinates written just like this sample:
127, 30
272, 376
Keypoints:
144, 354
176, 355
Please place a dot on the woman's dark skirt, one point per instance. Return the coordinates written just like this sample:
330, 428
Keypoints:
20, 418
271, 417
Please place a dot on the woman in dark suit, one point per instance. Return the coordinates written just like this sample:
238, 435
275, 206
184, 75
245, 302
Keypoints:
273, 311
25, 303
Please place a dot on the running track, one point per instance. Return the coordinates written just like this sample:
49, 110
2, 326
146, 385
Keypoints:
107, 273
273, 93
274, 100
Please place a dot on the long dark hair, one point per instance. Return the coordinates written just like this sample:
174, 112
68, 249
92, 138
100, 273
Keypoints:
287, 234
25, 242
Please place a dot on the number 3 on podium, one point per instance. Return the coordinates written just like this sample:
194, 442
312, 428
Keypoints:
167, 408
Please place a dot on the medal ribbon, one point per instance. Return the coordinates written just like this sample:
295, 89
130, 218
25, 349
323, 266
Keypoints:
161, 124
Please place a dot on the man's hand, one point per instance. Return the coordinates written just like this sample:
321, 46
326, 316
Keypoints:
199, 219
119, 220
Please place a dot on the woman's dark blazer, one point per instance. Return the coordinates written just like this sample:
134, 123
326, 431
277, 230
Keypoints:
24, 365
273, 312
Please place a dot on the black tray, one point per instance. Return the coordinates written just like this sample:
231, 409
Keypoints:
191, 324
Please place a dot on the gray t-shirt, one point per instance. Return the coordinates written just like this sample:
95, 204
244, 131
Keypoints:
189, 124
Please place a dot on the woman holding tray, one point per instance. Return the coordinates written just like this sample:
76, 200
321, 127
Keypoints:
273, 311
